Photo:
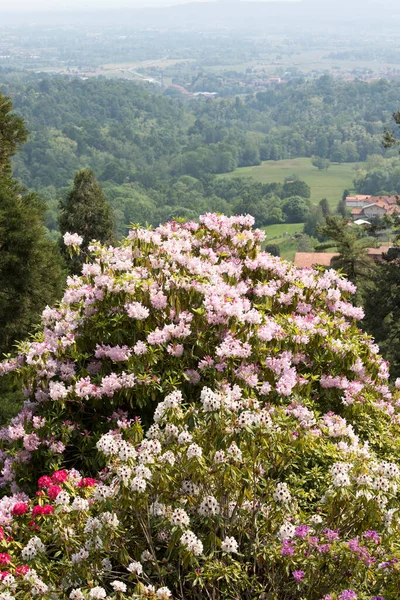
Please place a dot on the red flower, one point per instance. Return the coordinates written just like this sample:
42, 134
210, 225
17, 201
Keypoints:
20, 508
53, 491
22, 570
3, 575
44, 481
2, 534
5, 558
42, 510
59, 476
87, 482
47, 509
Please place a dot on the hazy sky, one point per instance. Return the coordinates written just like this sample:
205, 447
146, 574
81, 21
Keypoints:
34, 5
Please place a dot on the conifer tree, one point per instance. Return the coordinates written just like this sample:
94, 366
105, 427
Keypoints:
86, 211
31, 273
12, 132
351, 246
324, 204
30, 266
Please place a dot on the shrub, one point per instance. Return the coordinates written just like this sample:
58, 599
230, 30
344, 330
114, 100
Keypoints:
234, 431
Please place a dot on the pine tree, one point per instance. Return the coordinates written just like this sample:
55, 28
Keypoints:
30, 264
352, 257
324, 204
12, 132
341, 208
86, 211
31, 272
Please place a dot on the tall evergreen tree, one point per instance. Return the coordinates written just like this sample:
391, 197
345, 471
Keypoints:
30, 265
12, 132
86, 211
341, 208
324, 204
352, 247
382, 312
31, 273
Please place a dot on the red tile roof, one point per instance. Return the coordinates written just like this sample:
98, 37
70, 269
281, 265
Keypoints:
356, 198
378, 251
309, 259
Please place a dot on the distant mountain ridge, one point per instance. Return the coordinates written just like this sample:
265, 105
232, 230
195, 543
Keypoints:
235, 14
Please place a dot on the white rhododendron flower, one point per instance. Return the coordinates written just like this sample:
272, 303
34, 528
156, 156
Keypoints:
72, 239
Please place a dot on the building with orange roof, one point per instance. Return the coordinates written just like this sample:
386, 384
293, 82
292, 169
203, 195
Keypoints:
373, 206
308, 260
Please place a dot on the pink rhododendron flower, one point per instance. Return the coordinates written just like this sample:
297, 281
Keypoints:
44, 482
87, 482
20, 508
59, 476
53, 491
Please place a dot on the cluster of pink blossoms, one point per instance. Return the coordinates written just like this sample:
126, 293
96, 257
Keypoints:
189, 304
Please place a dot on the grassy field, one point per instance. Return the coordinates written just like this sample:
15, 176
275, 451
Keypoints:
284, 236
324, 184
279, 231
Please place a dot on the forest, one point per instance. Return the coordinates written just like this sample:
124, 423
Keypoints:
157, 156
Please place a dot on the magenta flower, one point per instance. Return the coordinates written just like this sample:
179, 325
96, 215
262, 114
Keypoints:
20, 508
373, 535
298, 575
302, 531
59, 476
287, 548
348, 595
53, 491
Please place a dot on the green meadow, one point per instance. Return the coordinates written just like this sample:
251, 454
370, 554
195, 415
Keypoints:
279, 231
328, 184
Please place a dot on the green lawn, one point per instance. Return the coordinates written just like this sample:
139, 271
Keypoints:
283, 236
328, 184
278, 231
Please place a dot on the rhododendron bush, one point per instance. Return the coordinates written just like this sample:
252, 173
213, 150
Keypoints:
202, 420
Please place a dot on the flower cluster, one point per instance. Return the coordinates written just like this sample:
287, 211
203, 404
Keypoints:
269, 459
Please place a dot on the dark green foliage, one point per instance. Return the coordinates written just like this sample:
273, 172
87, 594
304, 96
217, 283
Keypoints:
30, 264
12, 131
390, 136
314, 221
324, 204
322, 163
352, 249
296, 188
382, 312
86, 211
11, 400
296, 209
273, 249
342, 208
